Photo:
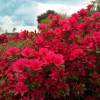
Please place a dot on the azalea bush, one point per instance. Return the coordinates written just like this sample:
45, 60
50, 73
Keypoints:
62, 62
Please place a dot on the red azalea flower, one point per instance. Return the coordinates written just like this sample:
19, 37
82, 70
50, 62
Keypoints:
19, 65
35, 64
12, 51
54, 74
96, 37
42, 26
58, 60
27, 52
20, 88
23, 34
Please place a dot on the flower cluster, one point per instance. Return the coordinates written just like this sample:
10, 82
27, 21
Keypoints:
61, 62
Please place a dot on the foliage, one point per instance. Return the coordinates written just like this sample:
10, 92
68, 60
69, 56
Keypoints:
44, 17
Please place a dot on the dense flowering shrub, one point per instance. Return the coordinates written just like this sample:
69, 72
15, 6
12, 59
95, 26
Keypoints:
60, 63
3, 38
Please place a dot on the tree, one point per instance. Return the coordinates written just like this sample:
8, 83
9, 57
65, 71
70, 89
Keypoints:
43, 17
96, 5
13, 30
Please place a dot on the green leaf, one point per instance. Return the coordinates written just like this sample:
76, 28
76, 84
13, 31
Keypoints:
73, 78
11, 93
90, 71
11, 58
17, 44
1, 47
97, 94
33, 86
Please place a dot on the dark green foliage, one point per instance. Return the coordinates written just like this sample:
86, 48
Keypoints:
45, 15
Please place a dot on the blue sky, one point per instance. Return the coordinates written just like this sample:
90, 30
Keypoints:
24, 12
